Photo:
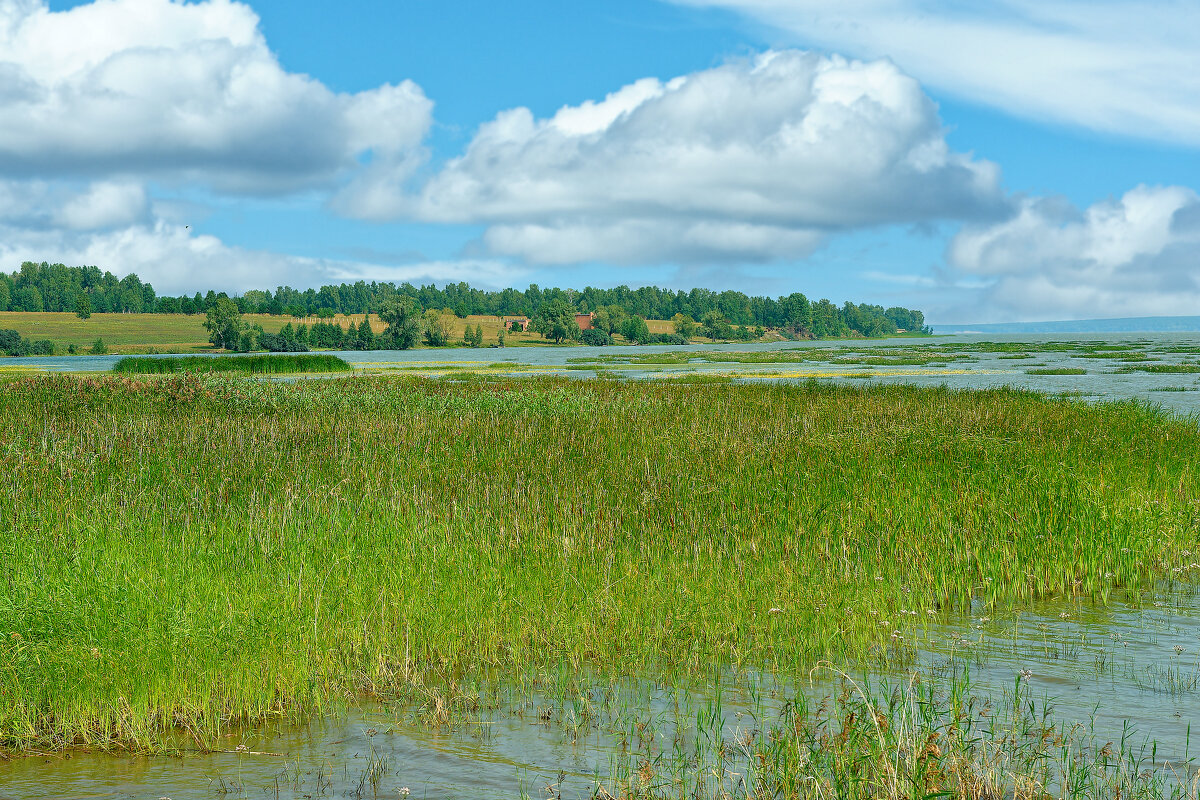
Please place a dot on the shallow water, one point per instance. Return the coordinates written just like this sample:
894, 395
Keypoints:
1122, 675
1177, 392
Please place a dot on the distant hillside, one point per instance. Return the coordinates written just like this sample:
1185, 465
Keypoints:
1123, 325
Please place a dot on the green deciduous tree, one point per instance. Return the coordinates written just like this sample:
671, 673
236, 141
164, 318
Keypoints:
437, 327
403, 320
715, 326
83, 305
223, 322
634, 329
27, 298
555, 319
685, 326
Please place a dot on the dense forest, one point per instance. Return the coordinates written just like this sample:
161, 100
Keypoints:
55, 287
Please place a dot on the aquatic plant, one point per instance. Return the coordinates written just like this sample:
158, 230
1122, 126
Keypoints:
249, 365
186, 552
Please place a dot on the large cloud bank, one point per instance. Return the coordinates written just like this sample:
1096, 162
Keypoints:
113, 111
754, 160
1138, 255
153, 88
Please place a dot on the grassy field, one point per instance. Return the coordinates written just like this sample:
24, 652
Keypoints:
186, 553
124, 333
181, 333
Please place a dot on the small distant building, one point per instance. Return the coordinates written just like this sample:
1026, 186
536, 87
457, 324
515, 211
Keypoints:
584, 321
521, 322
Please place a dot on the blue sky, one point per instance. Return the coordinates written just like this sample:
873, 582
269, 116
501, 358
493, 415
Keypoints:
1038, 161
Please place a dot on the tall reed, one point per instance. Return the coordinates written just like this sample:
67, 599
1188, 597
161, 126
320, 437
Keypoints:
186, 552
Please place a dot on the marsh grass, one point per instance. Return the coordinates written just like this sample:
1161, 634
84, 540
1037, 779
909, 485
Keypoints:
886, 740
190, 552
246, 365
1057, 371
1171, 369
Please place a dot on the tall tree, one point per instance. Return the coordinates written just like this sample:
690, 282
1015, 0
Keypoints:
437, 327
403, 320
555, 319
223, 322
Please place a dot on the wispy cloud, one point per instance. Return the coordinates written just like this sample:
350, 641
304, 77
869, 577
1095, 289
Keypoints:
1118, 66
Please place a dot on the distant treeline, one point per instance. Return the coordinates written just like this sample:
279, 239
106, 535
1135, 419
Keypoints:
55, 287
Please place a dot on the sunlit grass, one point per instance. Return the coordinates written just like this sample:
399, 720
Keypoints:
247, 365
188, 552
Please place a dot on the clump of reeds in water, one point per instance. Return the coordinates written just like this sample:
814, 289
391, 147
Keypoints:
883, 740
196, 551
245, 365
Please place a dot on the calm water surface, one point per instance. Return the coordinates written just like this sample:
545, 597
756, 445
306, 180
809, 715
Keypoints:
1102, 381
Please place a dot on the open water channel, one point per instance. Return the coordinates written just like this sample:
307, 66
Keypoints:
1127, 675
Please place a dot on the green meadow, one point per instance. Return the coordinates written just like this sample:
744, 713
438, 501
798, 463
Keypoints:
192, 552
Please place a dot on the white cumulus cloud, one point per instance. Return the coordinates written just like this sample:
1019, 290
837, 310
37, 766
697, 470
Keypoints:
1119, 65
40, 204
175, 261
162, 88
754, 160
1138, 255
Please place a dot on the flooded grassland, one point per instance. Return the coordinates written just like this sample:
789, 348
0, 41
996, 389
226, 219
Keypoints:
497, 586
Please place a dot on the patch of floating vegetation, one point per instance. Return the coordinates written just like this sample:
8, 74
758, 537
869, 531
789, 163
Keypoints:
1173, 369
246, 365
1057, 371
699, 379
1116, 354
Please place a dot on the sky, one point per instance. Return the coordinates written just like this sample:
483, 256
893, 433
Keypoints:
1011, 161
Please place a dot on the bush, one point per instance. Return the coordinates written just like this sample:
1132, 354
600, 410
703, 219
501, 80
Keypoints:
99, 348
595, 338
10, 342
42, 347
